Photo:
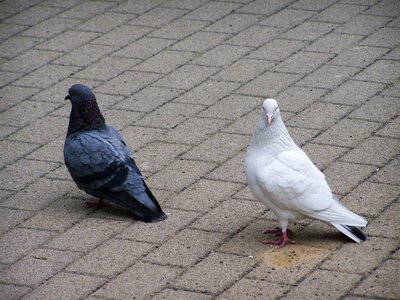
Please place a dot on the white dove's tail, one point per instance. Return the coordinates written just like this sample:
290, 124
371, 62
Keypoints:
351, 231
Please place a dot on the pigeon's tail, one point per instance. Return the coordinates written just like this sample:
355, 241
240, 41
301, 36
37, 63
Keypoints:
351, 231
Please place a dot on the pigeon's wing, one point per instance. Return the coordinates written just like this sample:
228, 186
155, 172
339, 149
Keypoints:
292, 182
95, 162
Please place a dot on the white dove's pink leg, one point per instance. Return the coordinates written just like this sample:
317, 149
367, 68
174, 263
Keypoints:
282, 232
96, 203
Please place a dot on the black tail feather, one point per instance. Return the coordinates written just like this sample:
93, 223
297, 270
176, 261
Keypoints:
356, 231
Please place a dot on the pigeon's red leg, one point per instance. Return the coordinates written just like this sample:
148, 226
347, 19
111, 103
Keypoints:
276, 231
284, 240
96, 203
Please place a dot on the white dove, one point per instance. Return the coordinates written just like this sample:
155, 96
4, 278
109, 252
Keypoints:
281, 176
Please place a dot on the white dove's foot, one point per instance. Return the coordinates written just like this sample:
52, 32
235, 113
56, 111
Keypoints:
284, 240
276, 231
96, 203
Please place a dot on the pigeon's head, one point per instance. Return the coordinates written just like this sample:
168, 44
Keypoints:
79, 93
270, 110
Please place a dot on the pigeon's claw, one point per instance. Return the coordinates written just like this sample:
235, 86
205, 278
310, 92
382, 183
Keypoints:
96, 203
284, 240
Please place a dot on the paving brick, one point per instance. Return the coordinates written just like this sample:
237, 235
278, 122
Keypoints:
144, 48
387, 224
358, 56
86, 10
334, 42
388, 174
179, 29
38, 266
328, 76
139, 281
17, 44
208, 92
24, 172
215, 273
296, 98
158, 16
212, 11
192, 245
269, 84
320, 115
11, 151
353, 92
375, 150
302, 135
277, 49
52, 151
11, 292
378, 108
385, 71
8, 77
254, 36
159, 232
104, 22
11, 218
29, 60
230, 216
385, 37
343, 177
363, 24
323, 155
8, 30
391, 129
333, 282
165, 61
122, 35
260, 7
11, 95
179, 294
303, 62
127, 83
317, 5
66, 285
338, 13
232, 170
110, 258
309, 31
67, 41
254, 289
221, 55
6, 130
137, 137
94, 232
19, 241
50, 27
203, 195
347, 133
350, 258
33, 15
382, 282
234, 23
287, 18
393, 90
187, 77
136, 7
245, 124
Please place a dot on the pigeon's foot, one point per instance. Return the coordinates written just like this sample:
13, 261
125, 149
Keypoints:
284, 240
276, 231
96, 203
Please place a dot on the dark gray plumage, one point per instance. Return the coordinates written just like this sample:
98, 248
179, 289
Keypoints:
99, 161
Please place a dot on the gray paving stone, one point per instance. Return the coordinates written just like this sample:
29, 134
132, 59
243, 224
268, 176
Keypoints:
243, 70
388, 174
87, 234
52, 151
11, 151
8, 77
136, 7
269, 84
230, 216
245, 124
192, 246
232, 170
66, 285
38, 266
334, 42
200, 41
353, 92
350, 258
179, 294
254, 289
17, 242
385, 37
11, 292
277, 49
159, 232
391, 129
214, 273
86, 10
309, 31
123, 35
302, 135
137, 137
179, 29
234, 23
33, 15
187, 77
6, 130
296, 98
387, 224
212, 11
67, 41
287, 18
333, 282
363, 24
338, 13
110, 258
139, 281
145, 47
343, 177
17, 44
260, 7
347, 133
313, 4
255, 36
8, 30
358, 56
375, 150
385, 71
104, 22
221, 55
323, 155
50, 27
382, 282
158, 16
24, 172
11, 95
11, 218
380, 109
392, 90
303, 62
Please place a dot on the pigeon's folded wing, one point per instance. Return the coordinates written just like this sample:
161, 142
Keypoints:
95, 163
292, 182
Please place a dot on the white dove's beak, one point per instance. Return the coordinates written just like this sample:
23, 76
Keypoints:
269, 119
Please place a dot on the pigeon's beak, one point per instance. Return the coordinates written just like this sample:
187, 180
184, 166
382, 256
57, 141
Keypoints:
67, 97
269, 119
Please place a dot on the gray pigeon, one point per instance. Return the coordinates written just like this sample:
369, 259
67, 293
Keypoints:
101, 163
281, 176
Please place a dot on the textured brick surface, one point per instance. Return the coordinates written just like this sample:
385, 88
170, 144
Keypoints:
183, 81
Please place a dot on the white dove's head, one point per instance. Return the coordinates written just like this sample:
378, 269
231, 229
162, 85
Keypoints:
270, 109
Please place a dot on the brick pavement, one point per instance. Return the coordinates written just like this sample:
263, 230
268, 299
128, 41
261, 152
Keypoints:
183, 80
